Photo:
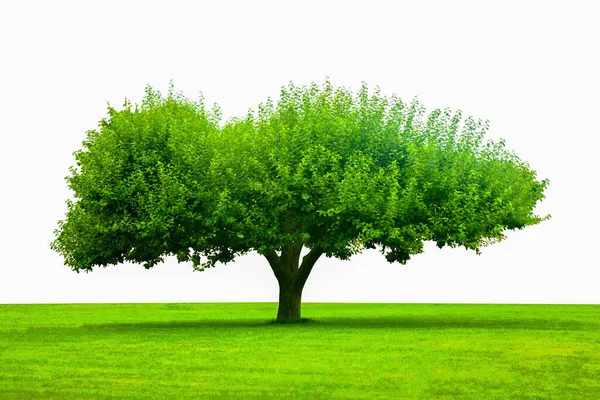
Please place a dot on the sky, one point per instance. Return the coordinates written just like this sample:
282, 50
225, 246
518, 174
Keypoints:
530, 68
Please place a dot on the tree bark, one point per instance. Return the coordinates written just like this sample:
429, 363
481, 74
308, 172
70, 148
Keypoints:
291, 275
290, 304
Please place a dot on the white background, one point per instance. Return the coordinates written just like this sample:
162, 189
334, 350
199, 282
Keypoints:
531, 68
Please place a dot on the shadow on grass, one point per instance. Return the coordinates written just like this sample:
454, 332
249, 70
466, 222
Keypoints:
400, 323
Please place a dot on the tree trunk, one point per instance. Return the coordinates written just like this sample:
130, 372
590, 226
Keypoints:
290, 303
291, 275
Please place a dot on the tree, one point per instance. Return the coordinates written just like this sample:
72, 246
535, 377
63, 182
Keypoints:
323, 169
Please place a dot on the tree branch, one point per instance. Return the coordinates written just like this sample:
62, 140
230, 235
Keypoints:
308, 261
275, 263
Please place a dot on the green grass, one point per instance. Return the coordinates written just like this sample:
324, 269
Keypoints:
347, 351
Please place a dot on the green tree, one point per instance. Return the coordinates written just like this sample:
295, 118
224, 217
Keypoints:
324, 169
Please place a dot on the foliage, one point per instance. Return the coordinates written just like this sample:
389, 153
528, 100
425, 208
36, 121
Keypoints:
323, 168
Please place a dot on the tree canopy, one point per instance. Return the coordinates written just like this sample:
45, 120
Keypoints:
323, 168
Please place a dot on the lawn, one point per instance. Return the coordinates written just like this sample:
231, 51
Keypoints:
347, 351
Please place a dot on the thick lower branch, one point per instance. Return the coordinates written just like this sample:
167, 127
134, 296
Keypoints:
308, 261
275, 263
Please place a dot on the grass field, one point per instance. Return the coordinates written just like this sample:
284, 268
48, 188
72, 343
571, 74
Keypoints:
348, 351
